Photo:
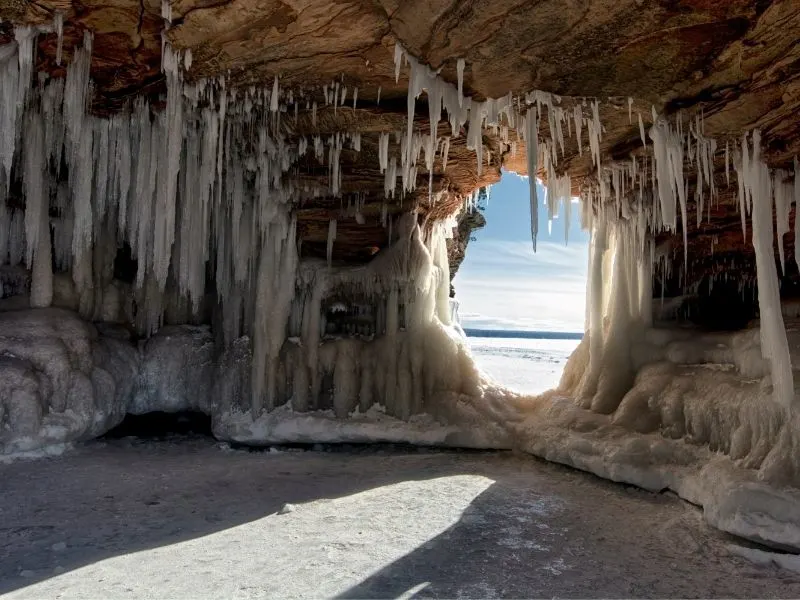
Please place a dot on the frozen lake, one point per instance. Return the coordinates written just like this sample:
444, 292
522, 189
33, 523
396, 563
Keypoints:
524, 365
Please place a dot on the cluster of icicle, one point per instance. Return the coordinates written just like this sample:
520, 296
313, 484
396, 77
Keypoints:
400, 362
180, 185
199, 191
504, 116
644, 196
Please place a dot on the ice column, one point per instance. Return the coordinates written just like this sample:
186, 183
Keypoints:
774, 345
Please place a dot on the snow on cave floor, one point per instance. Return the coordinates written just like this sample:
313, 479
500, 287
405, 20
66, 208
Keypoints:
189, 517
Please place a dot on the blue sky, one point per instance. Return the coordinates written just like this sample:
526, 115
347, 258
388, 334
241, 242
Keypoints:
502, 284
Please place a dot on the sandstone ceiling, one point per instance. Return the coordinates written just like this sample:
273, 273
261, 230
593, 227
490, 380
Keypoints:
736, 61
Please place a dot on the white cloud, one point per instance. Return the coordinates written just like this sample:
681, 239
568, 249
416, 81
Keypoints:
504, 285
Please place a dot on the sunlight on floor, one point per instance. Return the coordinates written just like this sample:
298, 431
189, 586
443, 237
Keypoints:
318, 549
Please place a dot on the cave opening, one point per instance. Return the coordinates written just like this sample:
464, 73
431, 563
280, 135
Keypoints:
522, 311
160, 425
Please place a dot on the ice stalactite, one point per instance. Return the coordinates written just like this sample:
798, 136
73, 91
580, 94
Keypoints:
774, 345
460, 64
195, 190
783, 190
668, 157
595, 284
274, 289
441, 232
532, 141
16, 59
796, 211
169, 161
331, 240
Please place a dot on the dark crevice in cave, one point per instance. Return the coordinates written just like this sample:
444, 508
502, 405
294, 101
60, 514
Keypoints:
159, 425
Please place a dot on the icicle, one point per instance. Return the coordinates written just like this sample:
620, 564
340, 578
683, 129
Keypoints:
630, 109
784, 195
355, 97
460, 64
166, 11
58, 23
42, 271
796, 211
273, 99
36, 196
398, 59
383, 151
379, 96
595, 135
531, 140
331, 239
577, 114
167, 176
641, 131
727, 165
774, 345
335, 95
390, 178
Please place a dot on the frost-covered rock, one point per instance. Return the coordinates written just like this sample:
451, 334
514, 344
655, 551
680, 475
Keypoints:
177, 372
60, 380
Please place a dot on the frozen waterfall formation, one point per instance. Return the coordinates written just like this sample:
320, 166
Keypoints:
195, 251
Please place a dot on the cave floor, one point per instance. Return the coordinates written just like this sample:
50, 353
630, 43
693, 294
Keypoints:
190, 518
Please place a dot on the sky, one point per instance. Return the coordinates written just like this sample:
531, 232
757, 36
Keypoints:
502, 284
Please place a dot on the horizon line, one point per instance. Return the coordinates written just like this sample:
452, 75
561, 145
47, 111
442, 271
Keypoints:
518, 333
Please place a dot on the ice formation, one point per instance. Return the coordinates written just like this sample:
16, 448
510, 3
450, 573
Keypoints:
203, 195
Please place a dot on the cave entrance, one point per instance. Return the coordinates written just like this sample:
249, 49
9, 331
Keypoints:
160, 425
523, 312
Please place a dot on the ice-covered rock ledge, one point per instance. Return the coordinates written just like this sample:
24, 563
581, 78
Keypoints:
283, 425
733, 498
60, 380
698, 418
64, 380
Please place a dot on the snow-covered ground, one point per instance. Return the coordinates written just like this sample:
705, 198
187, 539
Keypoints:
191, 518
528, 366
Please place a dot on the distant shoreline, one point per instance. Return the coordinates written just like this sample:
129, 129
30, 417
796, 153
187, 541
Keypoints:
531, 335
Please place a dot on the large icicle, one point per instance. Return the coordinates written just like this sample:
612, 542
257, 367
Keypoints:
164, 216
774, 345
796, 211
532, 143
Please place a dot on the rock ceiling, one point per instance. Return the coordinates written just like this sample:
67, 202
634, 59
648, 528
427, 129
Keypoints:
736, 61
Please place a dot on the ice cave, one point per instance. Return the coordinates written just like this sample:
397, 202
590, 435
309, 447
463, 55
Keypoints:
252, 210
